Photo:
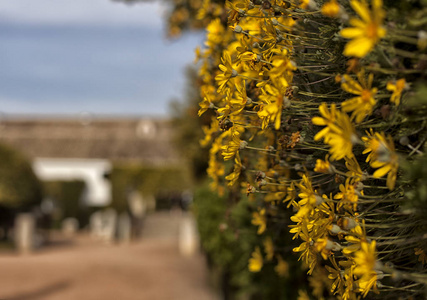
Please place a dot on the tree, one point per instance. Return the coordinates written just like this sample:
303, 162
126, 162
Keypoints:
19, 186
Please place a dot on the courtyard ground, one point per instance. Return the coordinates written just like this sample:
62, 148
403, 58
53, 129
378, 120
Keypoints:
84, 269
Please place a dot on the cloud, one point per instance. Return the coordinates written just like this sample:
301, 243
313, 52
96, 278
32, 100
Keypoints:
82, 12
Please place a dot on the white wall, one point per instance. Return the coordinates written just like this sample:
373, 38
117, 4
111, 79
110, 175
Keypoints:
91, 171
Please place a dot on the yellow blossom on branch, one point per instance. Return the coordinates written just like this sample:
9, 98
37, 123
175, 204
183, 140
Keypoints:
283, 67
323, 166
339, 133
240, 99
366, 261
308, 255
397, 89
336, 274
227, 72
348, 196
269, 248
362, 105
382, 156
307, 193
366, 31
259, 219
234, 176
282, 268
215, 33
234, 144
422, 257
331, 9
354, 170
274, 99
328, 119
205, 105
256, 262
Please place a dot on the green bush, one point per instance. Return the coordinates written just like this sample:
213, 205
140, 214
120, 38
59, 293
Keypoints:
149, 181
19, 187
67, 198
228, 239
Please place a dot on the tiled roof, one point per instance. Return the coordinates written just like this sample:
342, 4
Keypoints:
143, 140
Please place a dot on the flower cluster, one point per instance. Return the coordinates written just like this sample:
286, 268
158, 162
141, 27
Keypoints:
311, 120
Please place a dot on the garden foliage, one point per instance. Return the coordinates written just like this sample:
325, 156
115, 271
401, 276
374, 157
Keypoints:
19, 187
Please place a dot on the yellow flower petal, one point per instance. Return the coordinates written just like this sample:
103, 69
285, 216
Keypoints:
361, 9
351, 32
381, 172
358, 47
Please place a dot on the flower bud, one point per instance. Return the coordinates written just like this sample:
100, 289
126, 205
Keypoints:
335, 229
349, 223
238, 29
243, 145
319, 200
422, 40
286, 102
404, 141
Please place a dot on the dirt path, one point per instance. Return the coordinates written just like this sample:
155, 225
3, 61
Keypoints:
84, 270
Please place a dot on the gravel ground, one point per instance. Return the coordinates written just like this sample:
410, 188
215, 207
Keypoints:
83, 269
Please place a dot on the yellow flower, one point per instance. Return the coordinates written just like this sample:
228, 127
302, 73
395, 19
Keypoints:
348, 196
259, 219
328, 119
341, 140
215, 33
205, 105
422, 257
302, 295
237, 9
307, 4
271, 111
326, 246
331, 9
240, 99
323, 166
227, 72
203, 10
308, 255
397, 89
367, 31
335, 274
382, 156
366, 260
235, 144
283, 67
308, 195
363, 105
209, 132
358, 236
256, 262
366, 283
216, 169
354, 170
198, 54
291, 194
269, 248
282, 267
234, 176
248, 56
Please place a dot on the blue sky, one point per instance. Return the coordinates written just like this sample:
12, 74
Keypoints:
97, 56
